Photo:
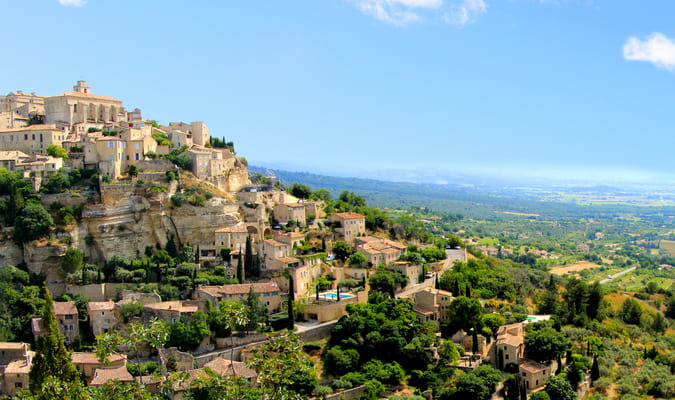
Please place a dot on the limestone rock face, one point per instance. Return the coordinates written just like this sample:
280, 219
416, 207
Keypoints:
10, 252
45, 259
126, 226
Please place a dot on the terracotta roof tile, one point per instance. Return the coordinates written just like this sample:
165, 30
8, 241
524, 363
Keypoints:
349, 215
90, 358
103, 375
224, 367
101, 306
65, 308
216, 291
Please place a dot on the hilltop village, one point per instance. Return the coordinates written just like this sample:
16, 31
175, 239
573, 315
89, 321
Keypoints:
133, 226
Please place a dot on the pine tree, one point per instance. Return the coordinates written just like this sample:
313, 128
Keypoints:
51, 357
240, 269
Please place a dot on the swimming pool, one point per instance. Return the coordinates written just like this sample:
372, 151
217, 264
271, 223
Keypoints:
333, 296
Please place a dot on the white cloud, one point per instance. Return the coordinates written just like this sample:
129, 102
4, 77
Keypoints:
402, 12
73, 3
656, 49
465, 12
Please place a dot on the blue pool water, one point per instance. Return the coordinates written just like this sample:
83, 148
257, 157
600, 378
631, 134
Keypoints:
333, 296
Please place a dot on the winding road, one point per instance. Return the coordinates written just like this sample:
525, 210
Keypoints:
618, 275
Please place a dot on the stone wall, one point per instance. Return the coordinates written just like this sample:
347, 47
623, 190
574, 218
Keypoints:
155, 165
222, 343
96, 292
348, 394
321, 331
67, 199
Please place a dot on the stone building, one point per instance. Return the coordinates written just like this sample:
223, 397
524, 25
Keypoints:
509, 345
232, 237
269, 292
32, 139
103, 316
379, 251
432, 305
86, 363
12, 120
351, 225
15, 363
66, 319
169, 311
24, 104
288, 212
82, 107
195, 132
9, 158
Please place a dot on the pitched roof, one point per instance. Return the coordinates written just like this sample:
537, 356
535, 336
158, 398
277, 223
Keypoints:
225, 367
531, 366
275, 243
91, 358
293, 205
43, 127
173, 306
12, 345
288, 260
103, 375
239, 228
510, 340
101, 306
65, 308
19, 366
88, 96
244, 288
349, 215
12, 155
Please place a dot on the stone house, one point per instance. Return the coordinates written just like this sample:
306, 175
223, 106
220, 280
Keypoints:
12, 120
287, 212
351, 225
103, 375
9, 158
39, 165
103, 316
293, 239
24, 104
87, 363
409, 270
269, 292
271, 249
208, 163
169, 311
198, 132
32, 139
225, 367
432, 305
66, 319
534, 374
233, 238
315, 208
379, 251
509, 346
16, 374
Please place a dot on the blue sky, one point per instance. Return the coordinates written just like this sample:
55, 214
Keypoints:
571, 88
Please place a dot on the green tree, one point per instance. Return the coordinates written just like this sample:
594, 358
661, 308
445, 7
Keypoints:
57, 151
545, 344
185, 254
71, 261
659, 325
51, 357
171, 247
32, 223
132, 170
300, 191
342, 250
240, 269
559, 389
226, 255
291, 298
57, 183
249, 268
357, 259
256, 311
188, 332
631, 312
465, 313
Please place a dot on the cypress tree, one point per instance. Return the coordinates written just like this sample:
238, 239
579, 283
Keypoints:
291, 298
595, 369
171, 247
437, 284
468, 290
474, 338
337, 298
84, 276
51, 357
240, 269
248, 260
323, 244
197, 255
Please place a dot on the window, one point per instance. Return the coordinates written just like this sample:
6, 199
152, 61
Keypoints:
25, 137
69, 317
102, 312
137, 146
18, 385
